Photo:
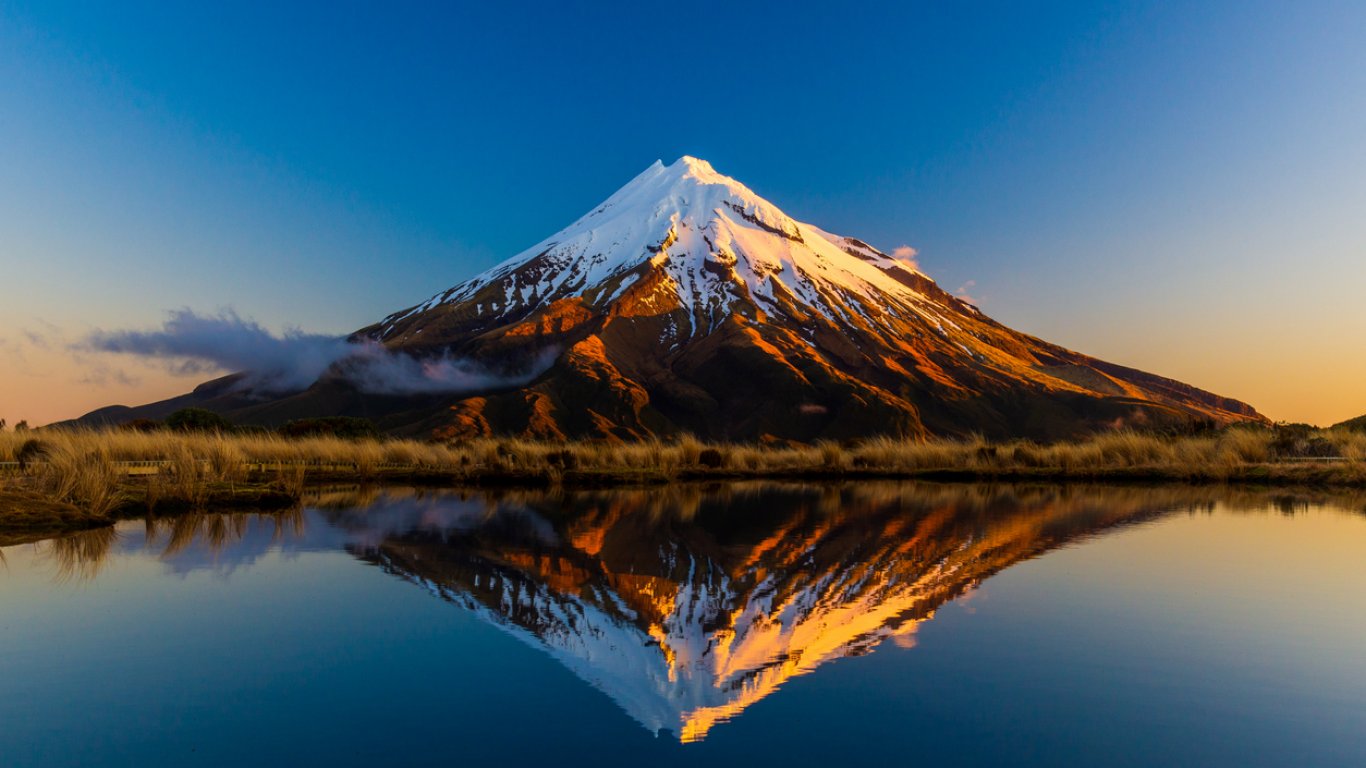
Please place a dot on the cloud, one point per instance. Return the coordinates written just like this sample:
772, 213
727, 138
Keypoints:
24, 340
12, 350
105, 375
189, 343
376, 370
201, 344
962, 292
908, 256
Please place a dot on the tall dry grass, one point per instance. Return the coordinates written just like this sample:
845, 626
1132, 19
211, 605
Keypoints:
82, 467
198, 458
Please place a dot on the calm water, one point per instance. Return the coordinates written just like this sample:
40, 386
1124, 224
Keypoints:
733, 625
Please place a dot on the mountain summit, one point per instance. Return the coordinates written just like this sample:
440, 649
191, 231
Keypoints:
692, 244
687, 303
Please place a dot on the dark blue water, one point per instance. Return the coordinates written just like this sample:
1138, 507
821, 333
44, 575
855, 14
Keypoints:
733, 625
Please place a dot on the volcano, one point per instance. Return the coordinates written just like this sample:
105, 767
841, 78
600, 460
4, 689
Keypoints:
687, 303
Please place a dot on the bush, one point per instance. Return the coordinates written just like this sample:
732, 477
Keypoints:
141, 425
711, 458
563, 459
197, 420
1300, 441
346, 427
31, 450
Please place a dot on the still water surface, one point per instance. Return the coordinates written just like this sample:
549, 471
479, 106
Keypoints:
722, 625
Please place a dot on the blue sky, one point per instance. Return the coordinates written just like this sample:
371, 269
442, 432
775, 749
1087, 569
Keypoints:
1176, 187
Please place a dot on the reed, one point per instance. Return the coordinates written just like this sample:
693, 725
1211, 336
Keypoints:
83, 467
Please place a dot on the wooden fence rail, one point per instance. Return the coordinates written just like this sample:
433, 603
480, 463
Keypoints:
153, 467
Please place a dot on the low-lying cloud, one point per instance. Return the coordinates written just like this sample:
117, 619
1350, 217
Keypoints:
374, 369
202, 344
908, 256
190, 343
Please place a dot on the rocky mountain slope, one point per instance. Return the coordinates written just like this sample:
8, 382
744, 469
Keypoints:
687, 303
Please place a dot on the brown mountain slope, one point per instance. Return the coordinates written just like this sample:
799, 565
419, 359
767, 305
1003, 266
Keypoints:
733, 321
686, 303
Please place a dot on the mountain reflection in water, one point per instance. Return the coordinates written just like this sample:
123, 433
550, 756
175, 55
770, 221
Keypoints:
684, 605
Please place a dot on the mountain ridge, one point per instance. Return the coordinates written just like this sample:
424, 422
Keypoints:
687, 303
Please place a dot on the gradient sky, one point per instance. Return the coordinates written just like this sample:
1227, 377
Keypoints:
1173, 186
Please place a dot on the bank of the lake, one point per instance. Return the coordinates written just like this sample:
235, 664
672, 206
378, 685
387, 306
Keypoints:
72, 479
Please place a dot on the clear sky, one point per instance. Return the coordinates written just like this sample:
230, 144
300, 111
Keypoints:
1179, 187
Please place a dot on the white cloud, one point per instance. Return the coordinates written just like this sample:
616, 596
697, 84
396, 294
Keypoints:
190, 343
907, 256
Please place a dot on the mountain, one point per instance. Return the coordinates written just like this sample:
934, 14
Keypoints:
1358, 424
687, 303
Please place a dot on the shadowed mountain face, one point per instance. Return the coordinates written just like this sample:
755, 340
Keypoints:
687, 303
686, 610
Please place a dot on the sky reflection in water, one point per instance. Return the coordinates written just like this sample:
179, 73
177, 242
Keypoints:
1195, 626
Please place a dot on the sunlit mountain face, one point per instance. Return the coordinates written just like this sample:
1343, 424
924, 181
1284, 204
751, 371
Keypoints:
686, 608
687, 304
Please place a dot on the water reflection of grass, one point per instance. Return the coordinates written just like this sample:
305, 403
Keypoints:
215, 530
1011, 508
82, 556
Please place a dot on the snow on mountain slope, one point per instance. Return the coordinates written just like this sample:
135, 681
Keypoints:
685, 303
716, 241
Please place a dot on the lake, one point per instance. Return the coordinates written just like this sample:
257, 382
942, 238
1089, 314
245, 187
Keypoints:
725, 624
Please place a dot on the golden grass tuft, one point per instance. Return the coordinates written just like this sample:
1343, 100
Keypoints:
82, 467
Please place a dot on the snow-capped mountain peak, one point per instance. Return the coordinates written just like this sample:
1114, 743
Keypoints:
685, 302
718, 249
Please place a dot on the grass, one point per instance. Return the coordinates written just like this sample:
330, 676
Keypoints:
86, 470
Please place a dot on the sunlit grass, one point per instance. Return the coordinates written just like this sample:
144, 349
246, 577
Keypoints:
88, 469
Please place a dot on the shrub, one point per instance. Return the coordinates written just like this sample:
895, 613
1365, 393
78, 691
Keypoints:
32, 450
347, 427
197, 420
141, 425
710, 458
563, 459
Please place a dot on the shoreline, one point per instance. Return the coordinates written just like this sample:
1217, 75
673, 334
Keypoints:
27, 513
73, 479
